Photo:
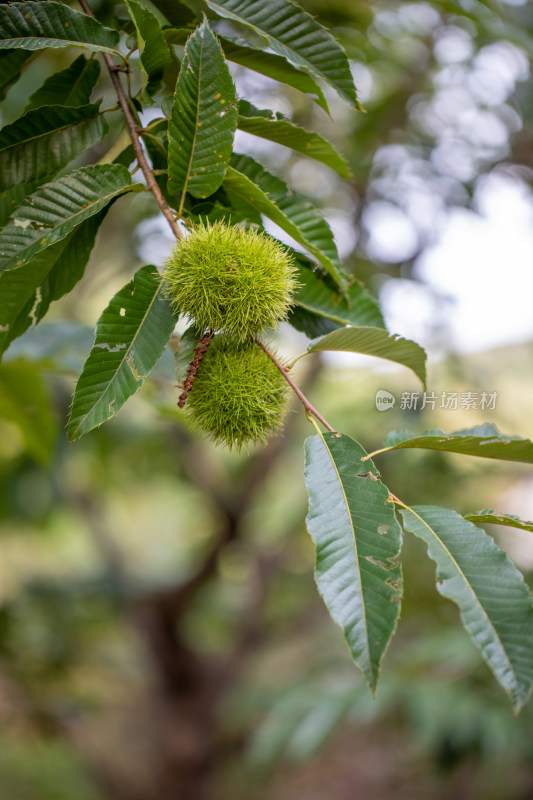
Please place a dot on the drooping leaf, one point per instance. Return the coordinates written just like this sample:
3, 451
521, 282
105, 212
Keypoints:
204, 117
374, 342
72, 86
11, 64
482, 440
292, 212
355, 307
277, 128
269, 64
25, 401
495, 604
130, 338
153, 49
39, 144
275, 67
509, 520
358, 544
35, 25
294, 34
54, 210
27, 292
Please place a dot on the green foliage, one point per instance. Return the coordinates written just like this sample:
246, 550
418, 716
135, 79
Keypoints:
36, 25
373, 342
277, 128
234, 280
230, 279
295, 35
130, 338
72, 86
46, 139
238, 396
293, 213
482, 440
509, 520
204, 118
358, 544
495, 603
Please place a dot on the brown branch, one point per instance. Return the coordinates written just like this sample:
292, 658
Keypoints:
136, 142
199, 352
307, 405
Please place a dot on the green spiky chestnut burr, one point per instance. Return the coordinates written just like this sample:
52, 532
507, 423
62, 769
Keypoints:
232, 279
238, 395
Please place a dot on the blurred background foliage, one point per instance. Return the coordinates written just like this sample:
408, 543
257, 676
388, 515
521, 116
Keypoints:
160, 631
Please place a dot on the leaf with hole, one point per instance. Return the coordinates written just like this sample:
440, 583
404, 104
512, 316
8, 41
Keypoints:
495, 604
293, 213
131, 336
36, 25
358, 543
373, 342
204, 118
43, 141
72, 86
294, 34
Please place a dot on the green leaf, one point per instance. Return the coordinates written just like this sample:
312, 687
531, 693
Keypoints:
54, 210
268, 64
131, 336
36, 25
275, 67
204, 118
292, 212
358, 544
495, 604
43, 141
11, 64
277, 128
294, 34
28, 291
355, 307
72, 86
481, 440
153, 50
373, 342
510, 520
25, 401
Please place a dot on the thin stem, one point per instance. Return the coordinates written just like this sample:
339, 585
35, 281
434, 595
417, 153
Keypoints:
376, 453
307, 405
137, 147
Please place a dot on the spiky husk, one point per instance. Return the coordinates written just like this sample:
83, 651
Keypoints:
228, 278
238, 395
